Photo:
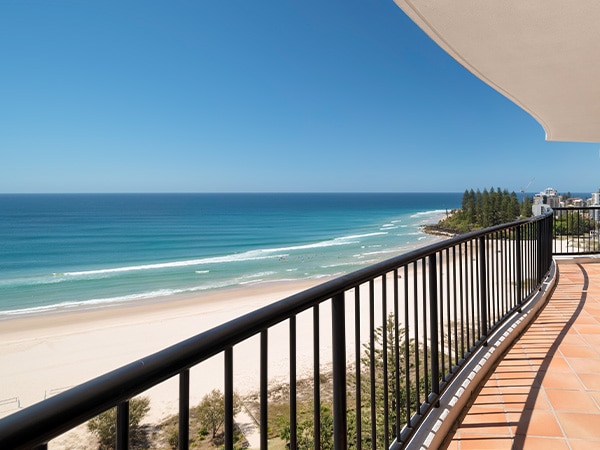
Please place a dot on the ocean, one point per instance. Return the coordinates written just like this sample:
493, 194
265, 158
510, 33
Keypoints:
91, 250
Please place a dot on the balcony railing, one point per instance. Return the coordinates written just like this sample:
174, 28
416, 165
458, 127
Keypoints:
576, 230
399, 330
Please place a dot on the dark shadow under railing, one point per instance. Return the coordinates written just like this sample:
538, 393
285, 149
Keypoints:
398, 332
576, 230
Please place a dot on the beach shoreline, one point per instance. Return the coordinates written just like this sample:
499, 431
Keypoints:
44, 354
65, 347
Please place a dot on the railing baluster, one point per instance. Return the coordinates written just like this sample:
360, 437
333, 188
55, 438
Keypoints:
483, 288
229, 425
416, 337
455, 304
540, 254
518, 265
506, 273
396, 352
340, 431
448, 314
264, 389
184, 410
425, 316
433, 325
316, 378
384, 356
464, 313
407, 347
472, 304
357, 355
123, 426
293, 399
372, 369
494, 286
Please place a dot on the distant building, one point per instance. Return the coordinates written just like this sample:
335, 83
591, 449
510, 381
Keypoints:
540, 209
595, 201
575, 202
545, 201
549, 199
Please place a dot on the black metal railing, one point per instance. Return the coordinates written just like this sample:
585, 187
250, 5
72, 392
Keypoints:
398, 332
576, 230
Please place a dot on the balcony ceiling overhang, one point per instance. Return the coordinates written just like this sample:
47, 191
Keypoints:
544, 55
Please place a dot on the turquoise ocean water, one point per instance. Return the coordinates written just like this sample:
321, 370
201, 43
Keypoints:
91, 250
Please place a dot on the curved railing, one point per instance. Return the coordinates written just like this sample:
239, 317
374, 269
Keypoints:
576, 230
399, 331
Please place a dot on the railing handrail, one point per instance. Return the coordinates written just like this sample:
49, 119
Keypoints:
46, 420
566, 208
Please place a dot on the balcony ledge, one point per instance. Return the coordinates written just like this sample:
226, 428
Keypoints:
461, 391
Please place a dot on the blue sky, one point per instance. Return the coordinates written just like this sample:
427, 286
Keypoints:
267, 96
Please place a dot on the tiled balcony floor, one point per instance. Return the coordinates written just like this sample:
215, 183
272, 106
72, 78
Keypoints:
545, 393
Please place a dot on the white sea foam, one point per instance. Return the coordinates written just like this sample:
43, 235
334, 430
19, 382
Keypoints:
227, 268
92, 302
432, 212
100, 302
359, 236
55, 278
380, 252
258, 275
251, 255
342, 264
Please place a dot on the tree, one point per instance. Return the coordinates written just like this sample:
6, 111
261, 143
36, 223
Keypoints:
468, 206
104, 425
482, 210
305, 429
515, 210
486, 209
370, 405
572, 224
526, 207
211, 411
382, 383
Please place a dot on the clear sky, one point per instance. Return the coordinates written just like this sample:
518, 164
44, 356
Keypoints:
263, 96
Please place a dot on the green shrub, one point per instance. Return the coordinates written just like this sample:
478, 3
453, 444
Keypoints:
104, 426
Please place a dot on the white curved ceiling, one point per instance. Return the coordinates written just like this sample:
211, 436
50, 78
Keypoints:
544, 55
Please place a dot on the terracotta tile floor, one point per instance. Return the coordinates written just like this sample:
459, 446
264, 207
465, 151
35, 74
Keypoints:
545, 393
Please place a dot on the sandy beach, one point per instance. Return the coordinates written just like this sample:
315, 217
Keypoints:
43, 355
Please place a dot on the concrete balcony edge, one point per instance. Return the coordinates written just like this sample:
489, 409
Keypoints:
439, 422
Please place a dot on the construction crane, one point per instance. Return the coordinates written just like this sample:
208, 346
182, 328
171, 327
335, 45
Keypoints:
523, 189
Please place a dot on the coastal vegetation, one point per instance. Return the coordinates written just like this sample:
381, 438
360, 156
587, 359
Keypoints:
482, 209
377, 375
375, 383
104, 427
211, 413
573, 224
